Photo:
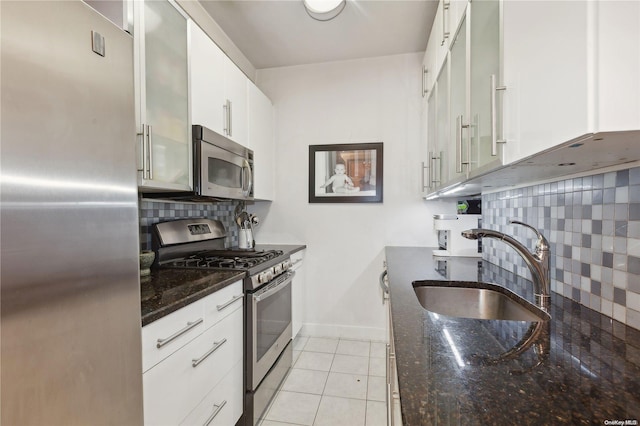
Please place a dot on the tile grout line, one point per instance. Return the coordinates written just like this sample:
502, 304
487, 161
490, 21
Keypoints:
322, 396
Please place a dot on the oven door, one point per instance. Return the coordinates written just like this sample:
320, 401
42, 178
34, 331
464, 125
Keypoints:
224, 174
270, 322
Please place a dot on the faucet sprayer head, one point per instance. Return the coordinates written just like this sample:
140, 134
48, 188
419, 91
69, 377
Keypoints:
471, 234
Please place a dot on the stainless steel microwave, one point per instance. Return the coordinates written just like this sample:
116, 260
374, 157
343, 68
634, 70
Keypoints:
222, 167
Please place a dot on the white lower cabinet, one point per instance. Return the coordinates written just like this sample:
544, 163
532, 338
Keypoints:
223, 405
167, 335
394, 413
297, 292
202, 376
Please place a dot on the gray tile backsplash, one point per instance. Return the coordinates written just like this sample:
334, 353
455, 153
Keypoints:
152, 211
593, 226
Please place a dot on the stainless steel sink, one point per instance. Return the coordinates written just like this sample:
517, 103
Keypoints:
476, 300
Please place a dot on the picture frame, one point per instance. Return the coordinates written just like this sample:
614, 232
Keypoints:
346, 173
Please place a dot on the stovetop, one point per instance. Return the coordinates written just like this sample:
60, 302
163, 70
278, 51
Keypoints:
260, 266
226, 259
199, 243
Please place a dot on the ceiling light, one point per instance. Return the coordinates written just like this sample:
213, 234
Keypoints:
324, 10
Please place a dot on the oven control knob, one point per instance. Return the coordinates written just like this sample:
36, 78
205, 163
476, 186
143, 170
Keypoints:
265, 277
286, 265
277, 269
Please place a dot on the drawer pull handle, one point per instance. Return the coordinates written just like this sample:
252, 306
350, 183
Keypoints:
233, 299
216, 346
216, 410
190, 325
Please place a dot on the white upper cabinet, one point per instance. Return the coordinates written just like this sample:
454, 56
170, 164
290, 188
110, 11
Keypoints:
485, 86
575, 75
533, 75
424, 123
162, 97
207, 83
236, 95
616, 56
459, 123
457, 9
261, 141
430, 65
218, 88
446, 21
546, 75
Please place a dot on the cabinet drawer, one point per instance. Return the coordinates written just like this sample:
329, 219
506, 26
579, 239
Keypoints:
175, 386
222, 303
223, 405
165, 336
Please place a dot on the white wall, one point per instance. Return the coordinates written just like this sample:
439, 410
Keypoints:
365, 100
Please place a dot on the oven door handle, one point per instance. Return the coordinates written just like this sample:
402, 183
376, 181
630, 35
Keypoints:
262, 296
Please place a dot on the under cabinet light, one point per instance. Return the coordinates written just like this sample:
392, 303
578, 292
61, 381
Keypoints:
454, 190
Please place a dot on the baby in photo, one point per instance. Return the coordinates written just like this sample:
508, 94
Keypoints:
340, 182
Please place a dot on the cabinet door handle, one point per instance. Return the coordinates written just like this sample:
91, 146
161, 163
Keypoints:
425, 72
428, 185
146, 152
230, 110
150, 151
225, 109
459, 127
161, 342
225, 305
142, 164
388, 359
445, 33
216, 410
389, 406
435, 165
216, 345
494, 116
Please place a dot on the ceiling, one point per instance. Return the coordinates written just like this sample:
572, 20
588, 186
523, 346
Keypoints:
276, 33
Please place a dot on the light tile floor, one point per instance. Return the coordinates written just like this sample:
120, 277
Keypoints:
336, 382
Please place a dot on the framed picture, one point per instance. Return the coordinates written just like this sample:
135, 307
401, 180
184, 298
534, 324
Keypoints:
345, 173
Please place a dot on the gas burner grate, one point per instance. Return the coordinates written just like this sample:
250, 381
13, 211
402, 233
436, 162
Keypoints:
225, 259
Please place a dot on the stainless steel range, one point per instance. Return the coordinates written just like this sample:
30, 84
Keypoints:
199, 244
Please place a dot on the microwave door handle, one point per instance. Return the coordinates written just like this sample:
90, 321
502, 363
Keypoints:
247, 166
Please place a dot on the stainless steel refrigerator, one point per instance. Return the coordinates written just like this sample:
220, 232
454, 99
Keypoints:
70, 301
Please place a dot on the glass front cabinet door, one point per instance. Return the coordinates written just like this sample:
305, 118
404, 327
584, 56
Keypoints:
486, 120
162, 96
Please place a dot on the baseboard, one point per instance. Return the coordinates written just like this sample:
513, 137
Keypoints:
344, 332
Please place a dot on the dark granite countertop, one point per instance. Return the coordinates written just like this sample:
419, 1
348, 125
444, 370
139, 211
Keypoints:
584, 368
287, 248
167, 290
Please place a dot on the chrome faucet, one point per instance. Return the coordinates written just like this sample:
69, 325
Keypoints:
538, 262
